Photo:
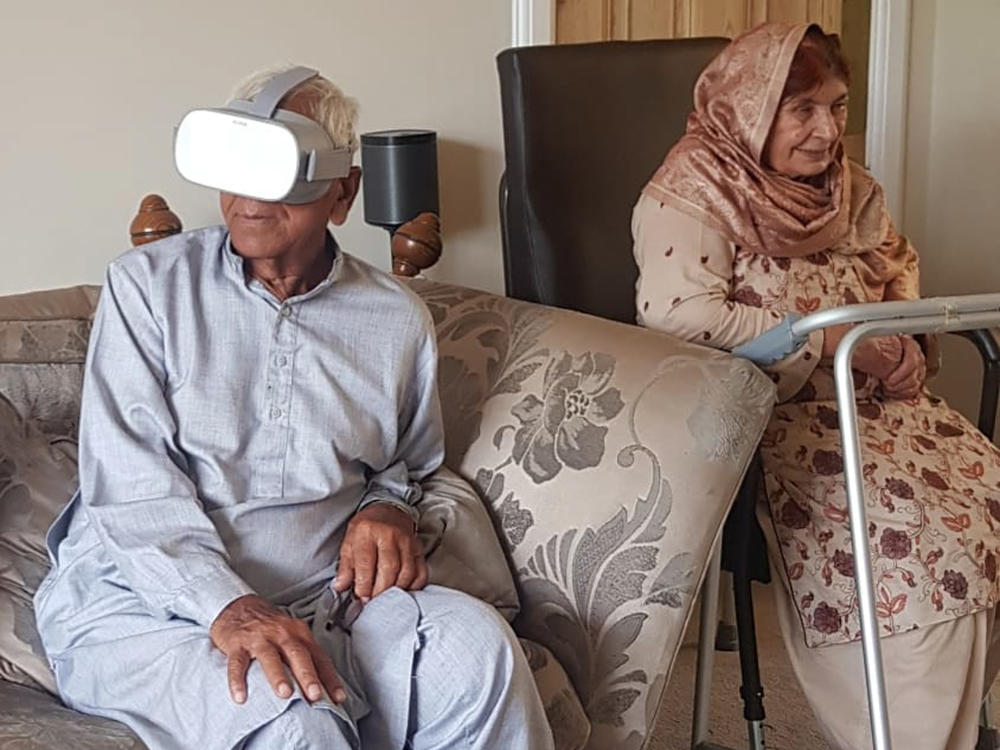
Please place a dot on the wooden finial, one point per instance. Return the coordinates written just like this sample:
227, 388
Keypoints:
416, 245
154, 221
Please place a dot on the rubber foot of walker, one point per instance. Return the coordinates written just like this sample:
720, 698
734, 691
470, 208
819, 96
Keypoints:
727, 638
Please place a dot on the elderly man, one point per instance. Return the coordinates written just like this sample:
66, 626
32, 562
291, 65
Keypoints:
258, 407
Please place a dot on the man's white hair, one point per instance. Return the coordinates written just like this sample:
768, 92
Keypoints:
337, 113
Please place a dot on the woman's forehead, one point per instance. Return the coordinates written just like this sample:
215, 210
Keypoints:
830, 90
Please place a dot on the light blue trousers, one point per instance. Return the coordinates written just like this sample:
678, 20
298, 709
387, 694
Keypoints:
438, 670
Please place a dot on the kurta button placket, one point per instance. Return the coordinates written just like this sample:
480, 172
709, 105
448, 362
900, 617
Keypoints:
269, 468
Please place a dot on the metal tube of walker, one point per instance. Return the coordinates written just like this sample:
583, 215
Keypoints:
847, 411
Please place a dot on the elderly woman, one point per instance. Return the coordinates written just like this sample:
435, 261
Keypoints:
756, 213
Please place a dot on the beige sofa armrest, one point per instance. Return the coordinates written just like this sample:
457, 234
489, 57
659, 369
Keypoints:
609, 456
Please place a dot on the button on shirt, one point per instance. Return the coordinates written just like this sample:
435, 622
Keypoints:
227, 437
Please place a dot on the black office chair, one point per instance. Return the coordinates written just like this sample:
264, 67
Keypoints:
585, 126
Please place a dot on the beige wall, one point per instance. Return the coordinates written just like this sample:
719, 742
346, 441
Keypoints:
952, 203
92, 90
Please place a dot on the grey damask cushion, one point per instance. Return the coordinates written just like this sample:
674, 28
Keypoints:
43, 345
32, 720
37, 477
462, 548
569, 722
609, 456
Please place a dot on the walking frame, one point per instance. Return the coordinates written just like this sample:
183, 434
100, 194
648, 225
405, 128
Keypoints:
969, 315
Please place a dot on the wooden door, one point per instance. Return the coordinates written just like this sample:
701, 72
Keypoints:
607, 20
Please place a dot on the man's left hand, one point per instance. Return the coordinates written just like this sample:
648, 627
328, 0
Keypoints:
380, 550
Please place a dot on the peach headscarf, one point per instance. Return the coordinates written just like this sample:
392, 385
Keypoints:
715, 173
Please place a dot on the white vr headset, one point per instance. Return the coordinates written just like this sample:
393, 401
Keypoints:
253, 149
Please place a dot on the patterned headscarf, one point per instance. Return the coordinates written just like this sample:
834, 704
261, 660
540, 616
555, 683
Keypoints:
716, 175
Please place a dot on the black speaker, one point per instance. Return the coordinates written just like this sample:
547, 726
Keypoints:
400, 176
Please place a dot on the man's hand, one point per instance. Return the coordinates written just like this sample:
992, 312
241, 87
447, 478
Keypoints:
380, 550
252, 628
906, 380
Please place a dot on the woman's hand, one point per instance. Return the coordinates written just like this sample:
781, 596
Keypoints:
906, 380
380, 550
878, 356
252, 628
832, 337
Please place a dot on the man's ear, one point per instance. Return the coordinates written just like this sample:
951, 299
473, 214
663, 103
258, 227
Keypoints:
346, 189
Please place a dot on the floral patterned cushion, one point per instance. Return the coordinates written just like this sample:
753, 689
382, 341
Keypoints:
43, 344
569, 722
33, 720
609, 455
37, 476
462, 548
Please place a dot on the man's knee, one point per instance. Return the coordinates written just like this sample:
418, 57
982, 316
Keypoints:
466, 637
300, 727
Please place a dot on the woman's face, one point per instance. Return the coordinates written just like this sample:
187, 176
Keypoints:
806, 130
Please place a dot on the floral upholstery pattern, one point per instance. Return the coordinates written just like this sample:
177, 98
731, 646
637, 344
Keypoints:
607, 456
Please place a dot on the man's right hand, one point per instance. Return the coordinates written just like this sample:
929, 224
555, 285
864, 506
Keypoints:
252, 628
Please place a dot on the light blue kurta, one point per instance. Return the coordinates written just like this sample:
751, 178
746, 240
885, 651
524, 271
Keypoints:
225, 440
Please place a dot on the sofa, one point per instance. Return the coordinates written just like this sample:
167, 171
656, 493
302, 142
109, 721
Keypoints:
604, 456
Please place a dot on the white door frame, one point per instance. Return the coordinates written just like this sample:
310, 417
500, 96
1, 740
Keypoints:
888, 82
533, 22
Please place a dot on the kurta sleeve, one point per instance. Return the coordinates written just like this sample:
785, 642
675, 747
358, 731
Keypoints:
685, 288
133, 484
906, 286
420, 447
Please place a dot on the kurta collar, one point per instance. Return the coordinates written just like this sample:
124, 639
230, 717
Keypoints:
234, 266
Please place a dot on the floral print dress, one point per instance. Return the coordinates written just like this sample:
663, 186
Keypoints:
932, 481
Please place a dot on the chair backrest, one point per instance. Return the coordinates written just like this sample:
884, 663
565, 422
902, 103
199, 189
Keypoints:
585, 126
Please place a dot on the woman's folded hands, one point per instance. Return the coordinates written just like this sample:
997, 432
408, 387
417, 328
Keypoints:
896, 361
907, 379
